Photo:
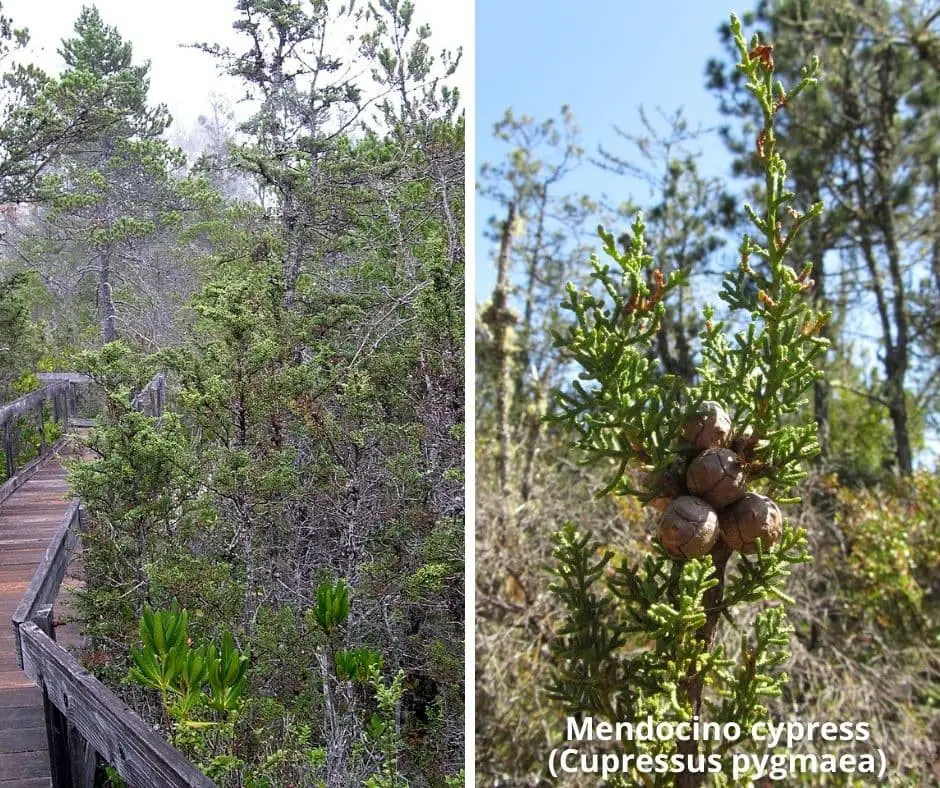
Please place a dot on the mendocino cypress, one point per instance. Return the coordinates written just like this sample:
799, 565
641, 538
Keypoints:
718, 456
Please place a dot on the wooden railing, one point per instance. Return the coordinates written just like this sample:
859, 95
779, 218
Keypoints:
152, 399
83, 717
85, 721
78, 384
58, 393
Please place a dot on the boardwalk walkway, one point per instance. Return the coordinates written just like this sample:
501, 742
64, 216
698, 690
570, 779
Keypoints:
28, 520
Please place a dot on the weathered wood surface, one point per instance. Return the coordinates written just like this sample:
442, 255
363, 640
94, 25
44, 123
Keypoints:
55, 392
28, 521
142, 757
44, 585
77, 422
32, 400
153, 396
27, 472
69, 377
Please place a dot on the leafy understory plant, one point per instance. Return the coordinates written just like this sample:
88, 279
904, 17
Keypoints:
383, 730
718, 458
362, 667
200, 687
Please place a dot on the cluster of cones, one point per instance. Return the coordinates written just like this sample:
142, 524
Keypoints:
705, 499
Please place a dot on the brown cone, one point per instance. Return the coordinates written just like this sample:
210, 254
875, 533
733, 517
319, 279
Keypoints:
709, 428
665, 485
753, 517
717, 476
688, 528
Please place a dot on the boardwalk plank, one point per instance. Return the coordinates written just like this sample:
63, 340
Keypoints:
29, 696
24, 558
25, 740
28, 521
21, 717
24, 765
37, 782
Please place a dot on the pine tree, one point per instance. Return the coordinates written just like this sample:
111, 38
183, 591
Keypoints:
114, 201
684, 223
866, 143
640, 637
99, 50
35, 125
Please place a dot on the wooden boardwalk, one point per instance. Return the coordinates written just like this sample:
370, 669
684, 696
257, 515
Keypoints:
28, 520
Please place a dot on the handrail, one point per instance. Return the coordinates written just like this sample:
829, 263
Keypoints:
69, 377
87, 716
44, 586
83, 717
152, 398
28, 401
56, 391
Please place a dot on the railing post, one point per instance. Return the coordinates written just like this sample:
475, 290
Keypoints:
8, 446
69, 404
84, 760
57, 733
42, 428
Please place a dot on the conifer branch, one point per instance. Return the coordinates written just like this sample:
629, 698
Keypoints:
640, 638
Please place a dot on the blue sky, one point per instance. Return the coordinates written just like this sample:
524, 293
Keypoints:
604, 58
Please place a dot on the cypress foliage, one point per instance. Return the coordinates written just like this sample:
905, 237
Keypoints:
639, 636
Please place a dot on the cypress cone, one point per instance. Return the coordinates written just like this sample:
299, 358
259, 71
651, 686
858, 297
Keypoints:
717, 476
751, 518
689, 527
665, 485
709, 428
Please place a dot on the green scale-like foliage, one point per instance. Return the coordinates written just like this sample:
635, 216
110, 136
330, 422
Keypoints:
638, 639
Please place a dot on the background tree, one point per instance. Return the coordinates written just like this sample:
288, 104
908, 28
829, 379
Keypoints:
308, 99
113, 205
538, 243
20, 337
861, 147
210, 149
683, 225
33, 131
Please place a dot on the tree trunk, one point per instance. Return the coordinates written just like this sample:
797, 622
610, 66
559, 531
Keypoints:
336, 723
499, 318
935, 245
821, 388
694, 684
532, 275
534, 422
821, 392
292, 248
896, 360
898, 410
874, 212
106, 309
